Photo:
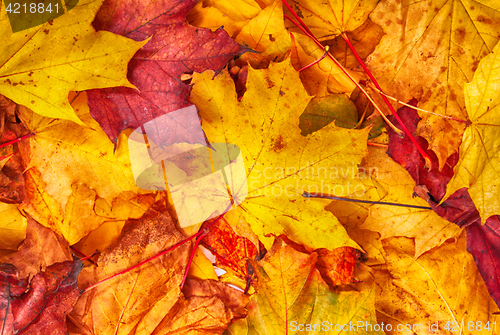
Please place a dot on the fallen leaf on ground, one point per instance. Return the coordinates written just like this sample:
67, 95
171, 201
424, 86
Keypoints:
321, 111
457, 208
266, 33
213, 18
140, 299
12, 226
337, 266
148, 299
364, 39
41, 248
323, 78
12, 163
70, 166
424, 225
231, 251
127, 205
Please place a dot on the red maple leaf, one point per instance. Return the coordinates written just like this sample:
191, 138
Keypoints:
174, 48
483, 241
40, 307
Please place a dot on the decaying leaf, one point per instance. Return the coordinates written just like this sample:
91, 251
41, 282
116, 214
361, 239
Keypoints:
337, 266
231, 251
141, 298
41, 248
148, 299
11, 163
39, 305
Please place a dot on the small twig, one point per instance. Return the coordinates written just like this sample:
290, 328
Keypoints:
377, 145
318, 60
416, 108
321, 196
428, 162
198, 240
163, 252
85, 257
377, 108
19, 139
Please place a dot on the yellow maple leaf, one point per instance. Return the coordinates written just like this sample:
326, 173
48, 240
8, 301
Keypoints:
323, 78
427, 228
262, 29
213, 18
477, 168
442, 288
327, 19
430, 50
292, 296
238, 10
280, 163
72, 165
41, 65
12, 226
266, 32
148, 299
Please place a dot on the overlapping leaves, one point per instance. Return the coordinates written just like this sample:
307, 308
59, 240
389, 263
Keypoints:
280, 162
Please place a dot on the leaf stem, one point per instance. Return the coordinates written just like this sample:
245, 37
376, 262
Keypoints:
178, 244
306, 31
318, 60
396, 116
302, 26
321, 196
19, 139
84, 257
416, 108
196, 243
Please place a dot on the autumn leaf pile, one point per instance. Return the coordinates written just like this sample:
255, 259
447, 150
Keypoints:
73, 89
